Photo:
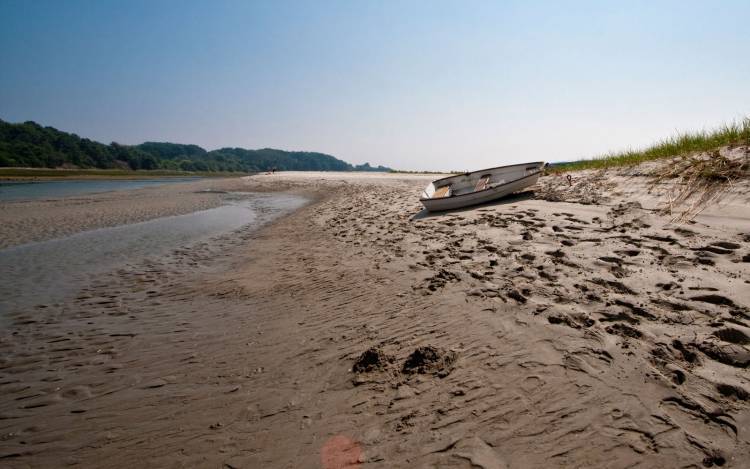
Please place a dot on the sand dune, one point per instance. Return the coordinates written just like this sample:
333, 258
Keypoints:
569, 326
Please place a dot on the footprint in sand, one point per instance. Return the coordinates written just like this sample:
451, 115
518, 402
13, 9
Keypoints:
733, 336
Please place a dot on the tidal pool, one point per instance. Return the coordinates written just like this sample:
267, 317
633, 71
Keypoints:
50, 271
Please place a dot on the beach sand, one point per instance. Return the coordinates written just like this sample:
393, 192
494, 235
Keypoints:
572, 325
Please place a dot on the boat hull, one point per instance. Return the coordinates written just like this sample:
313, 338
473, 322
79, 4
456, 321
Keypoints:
482, 196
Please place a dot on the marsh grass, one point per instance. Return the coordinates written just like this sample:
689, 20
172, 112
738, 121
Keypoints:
735, 133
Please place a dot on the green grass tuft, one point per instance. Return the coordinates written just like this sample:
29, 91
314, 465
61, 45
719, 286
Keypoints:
735, 133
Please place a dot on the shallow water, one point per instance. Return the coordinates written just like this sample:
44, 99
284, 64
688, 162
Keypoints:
50, 271
67, 188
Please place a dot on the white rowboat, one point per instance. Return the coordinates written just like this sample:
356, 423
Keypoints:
480, 186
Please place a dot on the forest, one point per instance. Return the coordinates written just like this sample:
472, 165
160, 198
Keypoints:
30, 145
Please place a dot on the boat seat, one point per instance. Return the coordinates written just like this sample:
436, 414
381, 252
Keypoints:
482, 183
441, 192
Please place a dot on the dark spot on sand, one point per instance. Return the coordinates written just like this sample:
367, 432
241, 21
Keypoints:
687, 354
618, 316
727, 390
430, 360
714, 460
547, 276
671, 305
667, 286
684, 232
441, 278
704, 261
714, 300
516, 295
558, 253
637, 310
728, 354
611, 260
726, 245
731, 335
614, 285
663, 239
593, 297
372, 359
713, 249
575, 323
624, 330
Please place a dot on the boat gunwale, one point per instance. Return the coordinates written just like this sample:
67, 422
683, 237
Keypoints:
422, 199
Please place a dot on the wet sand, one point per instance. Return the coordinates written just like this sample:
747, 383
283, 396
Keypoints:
570, 326
25, 221
50, 271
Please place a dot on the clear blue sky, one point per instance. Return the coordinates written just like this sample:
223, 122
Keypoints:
410, 84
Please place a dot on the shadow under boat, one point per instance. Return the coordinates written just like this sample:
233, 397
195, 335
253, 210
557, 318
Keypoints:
508, 199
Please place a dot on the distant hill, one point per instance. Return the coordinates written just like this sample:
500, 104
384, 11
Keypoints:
31, 145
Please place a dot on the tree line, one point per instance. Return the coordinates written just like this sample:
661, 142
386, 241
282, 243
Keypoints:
30, 145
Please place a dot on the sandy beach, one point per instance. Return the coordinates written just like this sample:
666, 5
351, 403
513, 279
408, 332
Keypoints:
577, 324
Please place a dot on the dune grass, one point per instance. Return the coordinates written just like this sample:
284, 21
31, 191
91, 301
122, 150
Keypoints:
735, 133
700, 179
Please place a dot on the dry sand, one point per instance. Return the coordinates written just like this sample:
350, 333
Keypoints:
585, 332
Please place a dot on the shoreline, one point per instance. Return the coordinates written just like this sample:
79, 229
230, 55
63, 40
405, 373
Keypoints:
51, 174
60, 217
555, 340
20, 175
54, 218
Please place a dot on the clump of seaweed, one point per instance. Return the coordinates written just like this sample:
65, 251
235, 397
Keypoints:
699, 179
